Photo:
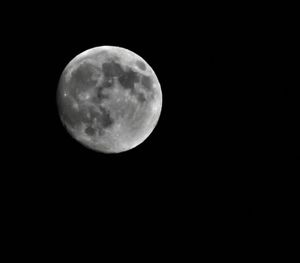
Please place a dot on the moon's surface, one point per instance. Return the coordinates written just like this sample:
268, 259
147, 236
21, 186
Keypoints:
109, 99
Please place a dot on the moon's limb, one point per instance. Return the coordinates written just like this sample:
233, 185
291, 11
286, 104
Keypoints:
139, 121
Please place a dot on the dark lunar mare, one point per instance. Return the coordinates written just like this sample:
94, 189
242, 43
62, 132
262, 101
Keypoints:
112, 70
103, 119
106, 119
84, 73
100, 95
147, 82
140, 97
90, 131
141, 65
127, 78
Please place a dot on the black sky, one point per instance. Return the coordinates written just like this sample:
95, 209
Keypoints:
213, 144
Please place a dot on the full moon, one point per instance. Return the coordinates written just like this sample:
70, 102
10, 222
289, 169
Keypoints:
109, 99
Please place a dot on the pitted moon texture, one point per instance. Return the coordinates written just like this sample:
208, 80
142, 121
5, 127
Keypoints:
125, 98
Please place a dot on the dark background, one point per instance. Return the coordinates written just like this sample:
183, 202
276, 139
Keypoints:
203, 168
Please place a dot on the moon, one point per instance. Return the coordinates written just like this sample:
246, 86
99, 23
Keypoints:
99, 104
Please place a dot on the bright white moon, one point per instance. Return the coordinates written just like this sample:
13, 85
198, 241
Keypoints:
109, 99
